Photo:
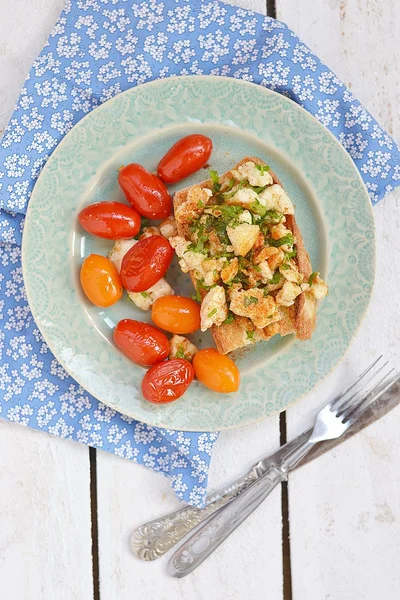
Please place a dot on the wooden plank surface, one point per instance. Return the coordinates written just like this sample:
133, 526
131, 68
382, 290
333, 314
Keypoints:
345, 508
45, 542
45, 525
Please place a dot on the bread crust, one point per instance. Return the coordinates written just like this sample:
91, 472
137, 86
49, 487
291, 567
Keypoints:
299, 319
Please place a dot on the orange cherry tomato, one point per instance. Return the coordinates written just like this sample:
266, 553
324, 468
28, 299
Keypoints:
167, 381
140, 342
216, 371
176, 314
145, 192
110, 220
100, 281
145, 263
187, 156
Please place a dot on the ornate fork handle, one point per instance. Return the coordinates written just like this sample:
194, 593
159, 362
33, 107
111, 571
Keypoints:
153, 539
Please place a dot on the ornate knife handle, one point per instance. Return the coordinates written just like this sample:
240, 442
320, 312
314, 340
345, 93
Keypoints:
153, 539
210, 535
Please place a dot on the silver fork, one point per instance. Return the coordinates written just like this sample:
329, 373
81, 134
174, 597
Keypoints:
331, 422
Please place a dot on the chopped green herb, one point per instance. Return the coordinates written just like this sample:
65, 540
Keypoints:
286, 239
230, 184
200, 204
250, 300
250, 335
215, 179
145, 294
201, 240
290, 255
200, 287
212, 313
257, 208
275, 278
312, 277
262, 168
257, 268
258, 190
229, 319
180, 353
285, 267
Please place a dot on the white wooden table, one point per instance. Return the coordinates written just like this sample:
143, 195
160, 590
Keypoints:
66, 513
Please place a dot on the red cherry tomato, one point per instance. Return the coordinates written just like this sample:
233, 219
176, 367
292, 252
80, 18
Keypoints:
216, 371
176, 314
167, 381
100, 281
140, 342
145, 263
145, 192
187, 156
111, 220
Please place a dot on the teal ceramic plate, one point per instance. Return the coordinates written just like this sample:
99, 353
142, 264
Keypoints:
332, 209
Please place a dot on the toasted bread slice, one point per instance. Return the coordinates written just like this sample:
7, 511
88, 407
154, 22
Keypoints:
300, 318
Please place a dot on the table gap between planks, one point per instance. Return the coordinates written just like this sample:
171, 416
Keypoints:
66, 512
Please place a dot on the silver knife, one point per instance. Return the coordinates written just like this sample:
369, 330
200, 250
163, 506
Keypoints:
152, 540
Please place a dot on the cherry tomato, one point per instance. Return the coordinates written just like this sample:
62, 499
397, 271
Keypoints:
140, 342
100, 281
187, 156
216, 371
167, 381
145, 263
146, 192
111, 220
176, 314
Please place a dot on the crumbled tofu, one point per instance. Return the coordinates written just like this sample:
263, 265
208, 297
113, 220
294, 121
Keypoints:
145, 300
194, 205
119, 250
248, 171
229, 271
216, 247
276, 256
246, 217
287, 295
210, 270
275, 198
319, 289
168, 227
179, 244
244, 198
214, 309
253, 304
181, 347
189, 260
279, 231
233, 290
242, 237
149, 231
265, 271
291, 274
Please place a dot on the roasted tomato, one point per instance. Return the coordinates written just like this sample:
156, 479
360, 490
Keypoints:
216, 371
100, 281
140, 342
145, 263
167, 381
187, 156
111, 220
145, 192
176, 314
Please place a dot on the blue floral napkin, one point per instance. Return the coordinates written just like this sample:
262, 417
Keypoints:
97, 49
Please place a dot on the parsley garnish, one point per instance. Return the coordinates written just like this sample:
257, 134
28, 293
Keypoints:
262, 168
312, 277
230, 184
212, 313
286, 239
229, 319
250, 335
285, 267
258, 190
200, 204
257, 208
275, 278
215, 179
250, 300
201, 240
199, 287
145, 294
180, 353
290, 255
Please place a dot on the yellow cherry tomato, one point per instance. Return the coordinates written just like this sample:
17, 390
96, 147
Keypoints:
216, 371
100, 281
